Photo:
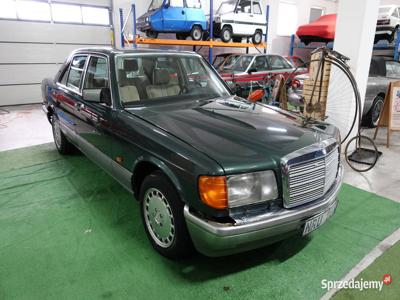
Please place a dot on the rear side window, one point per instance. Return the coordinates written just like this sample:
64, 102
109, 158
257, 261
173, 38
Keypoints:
244, 6
76, 71
276, 62
260, 63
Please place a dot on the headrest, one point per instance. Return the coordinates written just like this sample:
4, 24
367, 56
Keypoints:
160, 76
131, 65
123, 81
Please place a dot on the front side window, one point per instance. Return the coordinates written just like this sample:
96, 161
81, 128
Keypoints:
76, 71
155, 4
96, 74
244, 6
257, 8
165, 78
260, 64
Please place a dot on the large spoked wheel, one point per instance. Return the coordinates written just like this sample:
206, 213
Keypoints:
162, 214
62, 144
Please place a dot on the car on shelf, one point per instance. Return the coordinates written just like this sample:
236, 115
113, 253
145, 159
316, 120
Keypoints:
321, 30
183, 17
382, 71
388, 23
244, 70
238, 19
210, 170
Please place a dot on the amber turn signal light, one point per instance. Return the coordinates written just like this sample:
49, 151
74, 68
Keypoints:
213, 191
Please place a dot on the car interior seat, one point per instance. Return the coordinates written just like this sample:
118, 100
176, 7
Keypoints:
131, 88
162, 87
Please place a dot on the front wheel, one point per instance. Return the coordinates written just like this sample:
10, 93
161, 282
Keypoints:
226, 34
257, 37
162, 215
196, 33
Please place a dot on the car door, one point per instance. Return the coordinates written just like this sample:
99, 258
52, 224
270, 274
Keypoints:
243, 18
68, 96
259, 19
174, 16
98, 112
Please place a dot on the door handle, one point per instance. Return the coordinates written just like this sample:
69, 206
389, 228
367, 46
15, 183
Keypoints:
250, 15
183, 12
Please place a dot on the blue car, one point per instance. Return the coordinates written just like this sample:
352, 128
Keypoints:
183, 17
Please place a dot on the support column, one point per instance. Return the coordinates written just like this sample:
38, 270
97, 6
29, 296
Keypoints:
354, 38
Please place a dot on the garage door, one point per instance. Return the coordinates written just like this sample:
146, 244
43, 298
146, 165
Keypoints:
37, 36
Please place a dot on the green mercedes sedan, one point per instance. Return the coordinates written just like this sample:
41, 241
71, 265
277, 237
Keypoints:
211, 171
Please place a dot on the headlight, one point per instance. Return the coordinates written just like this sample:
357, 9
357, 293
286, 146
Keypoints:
251, 188
147, 19
221, 192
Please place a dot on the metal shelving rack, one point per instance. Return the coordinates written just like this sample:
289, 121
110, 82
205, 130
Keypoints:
211, 43
380, 46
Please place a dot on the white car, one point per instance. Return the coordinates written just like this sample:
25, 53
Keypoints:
236, 19
388, 23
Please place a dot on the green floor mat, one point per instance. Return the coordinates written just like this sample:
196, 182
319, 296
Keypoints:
69, 231
388, 263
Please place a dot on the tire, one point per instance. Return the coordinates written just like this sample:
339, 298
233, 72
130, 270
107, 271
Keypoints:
372, 117
151, 34
181, 36
393, 36
196, 33
237, 39
161, 206
226, 34
62, 144
257, 37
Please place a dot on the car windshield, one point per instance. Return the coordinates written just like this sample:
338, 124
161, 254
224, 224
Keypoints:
144, 78
155, 4
226, 7
239, 63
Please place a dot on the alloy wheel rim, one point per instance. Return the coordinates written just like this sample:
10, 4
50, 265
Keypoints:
57, 133
227, 35
159, 218
258, 38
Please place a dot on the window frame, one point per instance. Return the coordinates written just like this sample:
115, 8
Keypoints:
256, 3
77, 90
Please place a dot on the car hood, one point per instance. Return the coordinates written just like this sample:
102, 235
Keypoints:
239, 135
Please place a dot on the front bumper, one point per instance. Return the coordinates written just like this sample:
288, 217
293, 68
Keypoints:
384, 30
218, 239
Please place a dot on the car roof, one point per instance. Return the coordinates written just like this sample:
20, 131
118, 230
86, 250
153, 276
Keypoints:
114, 51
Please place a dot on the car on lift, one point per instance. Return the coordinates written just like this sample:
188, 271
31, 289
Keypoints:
237, 19
388, 23
183, 17
321, 30
382, 71
247, 70
208, 168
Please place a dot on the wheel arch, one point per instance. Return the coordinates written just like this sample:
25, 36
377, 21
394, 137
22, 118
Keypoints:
144, 166
202, 26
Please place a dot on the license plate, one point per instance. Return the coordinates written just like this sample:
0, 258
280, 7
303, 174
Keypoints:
318, 220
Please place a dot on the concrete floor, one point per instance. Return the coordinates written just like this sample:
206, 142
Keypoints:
27, 126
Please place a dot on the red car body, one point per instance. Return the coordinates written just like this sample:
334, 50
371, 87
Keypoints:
321, 30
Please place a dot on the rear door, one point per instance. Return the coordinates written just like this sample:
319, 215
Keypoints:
174, 16
68, 96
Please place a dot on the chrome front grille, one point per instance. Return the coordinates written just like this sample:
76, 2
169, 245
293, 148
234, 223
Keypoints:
309, 173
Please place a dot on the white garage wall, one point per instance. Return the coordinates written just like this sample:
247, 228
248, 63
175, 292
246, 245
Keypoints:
31, 51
